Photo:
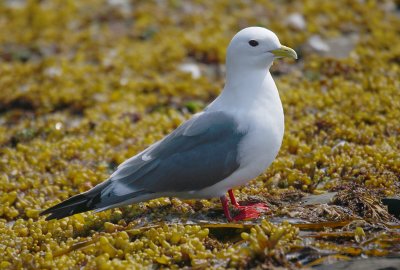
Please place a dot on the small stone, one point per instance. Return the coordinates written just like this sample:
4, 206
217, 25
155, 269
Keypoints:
318, 44
296, 21
340, 47
58, 125
191, 68
53, 72
319, 199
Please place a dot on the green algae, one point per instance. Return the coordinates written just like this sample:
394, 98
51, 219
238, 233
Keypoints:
85, 85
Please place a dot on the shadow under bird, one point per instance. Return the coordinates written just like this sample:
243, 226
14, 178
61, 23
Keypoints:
233, 140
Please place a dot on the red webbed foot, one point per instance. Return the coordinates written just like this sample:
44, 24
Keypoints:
259, 206
246, 212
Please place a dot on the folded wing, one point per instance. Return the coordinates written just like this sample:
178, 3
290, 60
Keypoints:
198, 154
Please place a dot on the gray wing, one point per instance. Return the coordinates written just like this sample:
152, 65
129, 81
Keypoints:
198, 154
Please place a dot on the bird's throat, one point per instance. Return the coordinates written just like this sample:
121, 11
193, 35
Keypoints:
246, 91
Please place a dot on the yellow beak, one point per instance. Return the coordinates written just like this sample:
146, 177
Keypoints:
284, 51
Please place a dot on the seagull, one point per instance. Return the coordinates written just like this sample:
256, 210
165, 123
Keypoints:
232, 141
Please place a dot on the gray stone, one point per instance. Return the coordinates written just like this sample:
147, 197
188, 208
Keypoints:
318, 199
364, 264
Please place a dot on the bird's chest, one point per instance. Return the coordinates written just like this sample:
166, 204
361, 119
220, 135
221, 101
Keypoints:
263, 140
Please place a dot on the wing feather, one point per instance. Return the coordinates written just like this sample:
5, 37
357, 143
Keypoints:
199, 153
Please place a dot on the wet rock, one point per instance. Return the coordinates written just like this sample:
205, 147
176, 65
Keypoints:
393, 205
340, 47
390, 6
369, 263
317, 44
337, 47
308, 254
16, 4
123, 6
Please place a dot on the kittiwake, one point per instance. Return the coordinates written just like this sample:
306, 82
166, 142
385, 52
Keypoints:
232, 141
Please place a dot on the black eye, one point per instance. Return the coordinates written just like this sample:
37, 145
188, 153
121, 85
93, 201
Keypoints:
253, 43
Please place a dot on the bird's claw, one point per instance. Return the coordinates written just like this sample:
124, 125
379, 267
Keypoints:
247, 213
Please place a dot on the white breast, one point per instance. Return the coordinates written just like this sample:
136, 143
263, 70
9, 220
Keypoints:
262, 143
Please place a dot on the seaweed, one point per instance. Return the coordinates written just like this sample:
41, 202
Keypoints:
84, 85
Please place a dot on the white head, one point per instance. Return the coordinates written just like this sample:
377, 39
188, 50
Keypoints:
255, 48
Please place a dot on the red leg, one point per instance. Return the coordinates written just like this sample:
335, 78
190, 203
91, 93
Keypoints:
225, 206
233, 199
262, 206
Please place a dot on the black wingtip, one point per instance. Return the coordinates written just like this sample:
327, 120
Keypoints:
68, 202
74, 205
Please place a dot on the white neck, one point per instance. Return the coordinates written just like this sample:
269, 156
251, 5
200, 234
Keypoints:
246, 89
